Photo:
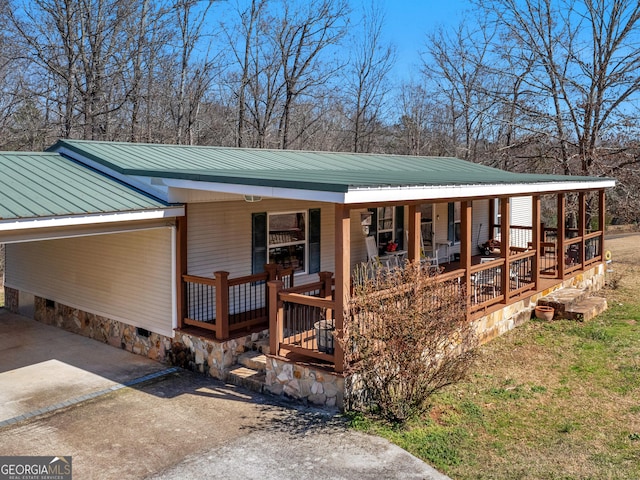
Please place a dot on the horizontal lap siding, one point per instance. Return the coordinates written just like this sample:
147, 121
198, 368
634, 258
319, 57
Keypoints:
219, 236
124, 276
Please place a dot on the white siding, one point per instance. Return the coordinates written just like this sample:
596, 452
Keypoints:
521, 216
219, 236
521, 211
125, 276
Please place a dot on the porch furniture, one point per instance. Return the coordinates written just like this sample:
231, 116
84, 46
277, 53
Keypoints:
446, 246
375, 259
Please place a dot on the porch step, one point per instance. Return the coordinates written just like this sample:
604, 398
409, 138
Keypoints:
587, 309
262, 346
563, 300
574, 304
253, 360
248, 378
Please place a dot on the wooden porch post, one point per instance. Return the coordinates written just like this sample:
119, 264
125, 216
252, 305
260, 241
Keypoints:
601, 220
505, 241
275, 316
343, 275
272, 271
537, 235
181, 267
492, 217
222, 304
415, 218
465, 249
582, 227
562, 212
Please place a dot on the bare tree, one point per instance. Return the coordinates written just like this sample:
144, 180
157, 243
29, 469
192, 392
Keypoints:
366, 85
301, 35
584, 59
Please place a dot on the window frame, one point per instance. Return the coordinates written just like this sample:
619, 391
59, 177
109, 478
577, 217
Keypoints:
304, 242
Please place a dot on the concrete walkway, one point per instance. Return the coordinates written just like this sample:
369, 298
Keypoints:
167, 424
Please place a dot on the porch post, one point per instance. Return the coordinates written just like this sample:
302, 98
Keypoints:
181, 267
492, 217
465, 249
222, 304
582, 227
560, 235
343, 275
275, 316
601, 221
537, 234
505, 242
415, 218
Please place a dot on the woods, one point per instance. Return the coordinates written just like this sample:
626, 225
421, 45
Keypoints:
546, 86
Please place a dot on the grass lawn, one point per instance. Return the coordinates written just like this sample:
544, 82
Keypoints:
548, 400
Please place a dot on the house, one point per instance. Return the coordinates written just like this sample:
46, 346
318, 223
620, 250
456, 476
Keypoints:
206, 250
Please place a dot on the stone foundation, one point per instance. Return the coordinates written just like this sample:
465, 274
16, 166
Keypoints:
305, 383
106, 330
501, 321
209, 356
11, 302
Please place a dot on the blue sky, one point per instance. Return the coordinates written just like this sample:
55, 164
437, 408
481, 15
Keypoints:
408, 21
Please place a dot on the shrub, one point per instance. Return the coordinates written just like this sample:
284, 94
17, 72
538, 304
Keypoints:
406, 336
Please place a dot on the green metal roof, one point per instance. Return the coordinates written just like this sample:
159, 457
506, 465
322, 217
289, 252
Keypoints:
322, 171
37, 185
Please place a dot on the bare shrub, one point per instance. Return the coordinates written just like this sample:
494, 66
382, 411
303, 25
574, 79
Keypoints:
406, 337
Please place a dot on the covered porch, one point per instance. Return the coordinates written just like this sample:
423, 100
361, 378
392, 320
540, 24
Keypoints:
523, 262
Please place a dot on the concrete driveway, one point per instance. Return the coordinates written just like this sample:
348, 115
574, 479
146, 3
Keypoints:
122, 417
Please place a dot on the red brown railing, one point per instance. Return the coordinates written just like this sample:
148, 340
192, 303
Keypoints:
226, 305
301, 319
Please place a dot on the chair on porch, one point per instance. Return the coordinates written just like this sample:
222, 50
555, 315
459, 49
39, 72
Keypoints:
428, 262
375, 260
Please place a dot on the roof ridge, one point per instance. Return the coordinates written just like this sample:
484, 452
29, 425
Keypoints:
249, 149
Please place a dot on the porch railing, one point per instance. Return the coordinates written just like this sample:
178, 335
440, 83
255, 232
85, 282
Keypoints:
226, 305
301, 319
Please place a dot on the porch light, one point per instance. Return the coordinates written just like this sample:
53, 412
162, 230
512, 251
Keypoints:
365, 221
252, 198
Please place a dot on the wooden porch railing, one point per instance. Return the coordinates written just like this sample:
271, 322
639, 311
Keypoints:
226, 305
301, 319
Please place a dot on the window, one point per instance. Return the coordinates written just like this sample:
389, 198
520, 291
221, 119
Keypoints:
454, 222
287, 240
385, 227
282, 238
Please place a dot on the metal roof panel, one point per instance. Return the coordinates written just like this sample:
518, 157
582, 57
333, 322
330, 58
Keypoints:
35, 185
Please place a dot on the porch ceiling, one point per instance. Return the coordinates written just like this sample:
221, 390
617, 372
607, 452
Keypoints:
47, 190
325, 176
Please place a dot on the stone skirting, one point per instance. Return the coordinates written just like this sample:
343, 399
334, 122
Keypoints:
103, 329
501, 321
305, 383
11, 302
211, 357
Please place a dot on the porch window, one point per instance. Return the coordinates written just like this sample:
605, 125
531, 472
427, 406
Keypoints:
454, 222
385, 225
288, 239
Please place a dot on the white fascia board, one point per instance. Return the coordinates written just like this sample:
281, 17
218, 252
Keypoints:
79, 220
255, 190
148, 185
376, 195
390, 194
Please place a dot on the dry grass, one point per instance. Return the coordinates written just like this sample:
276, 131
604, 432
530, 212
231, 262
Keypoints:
547, 400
